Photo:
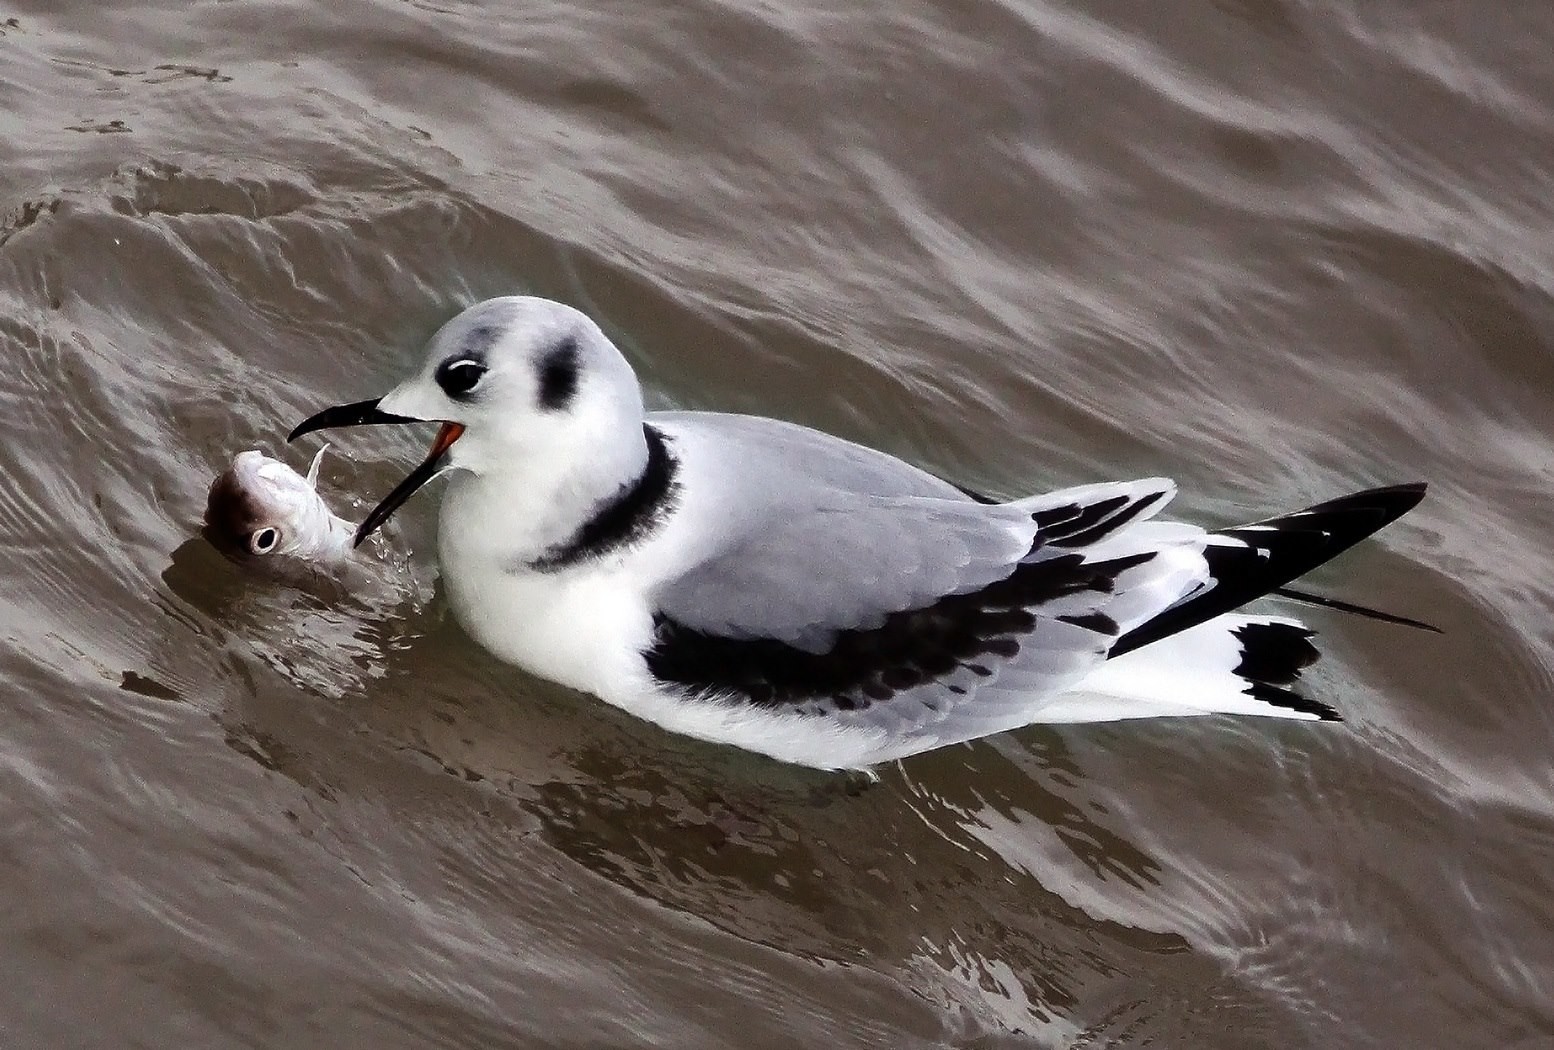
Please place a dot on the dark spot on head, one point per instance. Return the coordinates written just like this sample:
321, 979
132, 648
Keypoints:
478, 341
558, 376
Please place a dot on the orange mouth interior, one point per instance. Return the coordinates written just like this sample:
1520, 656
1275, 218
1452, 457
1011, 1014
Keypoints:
446, 436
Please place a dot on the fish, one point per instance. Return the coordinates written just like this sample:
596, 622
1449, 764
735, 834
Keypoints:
262, 512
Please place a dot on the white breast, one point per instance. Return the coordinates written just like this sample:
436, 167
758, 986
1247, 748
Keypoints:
584, 627
587, 627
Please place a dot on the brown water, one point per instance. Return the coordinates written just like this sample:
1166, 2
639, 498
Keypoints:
1276, 249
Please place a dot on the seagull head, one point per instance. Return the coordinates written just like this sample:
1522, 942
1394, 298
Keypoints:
519, 384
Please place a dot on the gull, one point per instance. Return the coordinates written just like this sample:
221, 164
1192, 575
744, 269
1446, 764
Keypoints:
758, 583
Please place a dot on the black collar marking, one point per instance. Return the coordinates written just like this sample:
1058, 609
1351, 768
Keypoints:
910, 648
626, 517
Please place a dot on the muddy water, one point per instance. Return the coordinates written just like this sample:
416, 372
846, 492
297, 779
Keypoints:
1276, 250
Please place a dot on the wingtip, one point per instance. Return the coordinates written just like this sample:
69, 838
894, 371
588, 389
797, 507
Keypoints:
1322, 601
1306, 538
1389, 502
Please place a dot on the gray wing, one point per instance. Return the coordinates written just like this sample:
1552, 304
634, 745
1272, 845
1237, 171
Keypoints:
828, 595
844, 561
814, 534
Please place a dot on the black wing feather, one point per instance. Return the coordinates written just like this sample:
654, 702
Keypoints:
1275, 552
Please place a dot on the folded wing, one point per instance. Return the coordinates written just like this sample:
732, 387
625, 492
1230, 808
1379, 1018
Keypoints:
928, 619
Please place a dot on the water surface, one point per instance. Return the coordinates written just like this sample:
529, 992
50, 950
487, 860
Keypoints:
1277, 250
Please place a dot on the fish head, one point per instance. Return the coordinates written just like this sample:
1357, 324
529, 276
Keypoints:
259, 508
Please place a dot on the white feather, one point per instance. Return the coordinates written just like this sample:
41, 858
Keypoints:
1191, 673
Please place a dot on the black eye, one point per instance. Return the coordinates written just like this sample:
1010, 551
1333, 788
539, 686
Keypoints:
459, 377
263, 541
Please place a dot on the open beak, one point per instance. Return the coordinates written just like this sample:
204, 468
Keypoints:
364, 413
419, 476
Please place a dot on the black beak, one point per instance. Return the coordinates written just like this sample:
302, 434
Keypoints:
366, 413
419, 476
362, 413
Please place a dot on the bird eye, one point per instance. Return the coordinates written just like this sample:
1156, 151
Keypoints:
263, 541
458, 378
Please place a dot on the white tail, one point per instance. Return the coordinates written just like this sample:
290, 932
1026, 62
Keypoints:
1233, 664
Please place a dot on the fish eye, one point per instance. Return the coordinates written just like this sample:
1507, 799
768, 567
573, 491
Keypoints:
263, 541
459, 377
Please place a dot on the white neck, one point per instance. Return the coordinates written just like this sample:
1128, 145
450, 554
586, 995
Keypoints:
522, 506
